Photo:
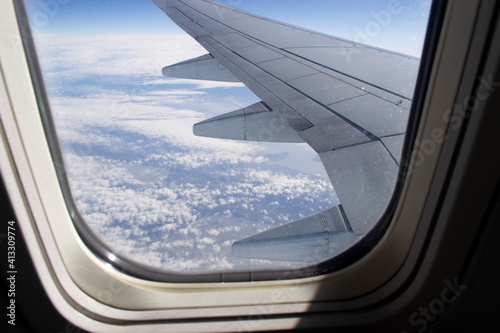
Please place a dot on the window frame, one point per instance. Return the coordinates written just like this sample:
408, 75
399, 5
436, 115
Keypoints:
133, 268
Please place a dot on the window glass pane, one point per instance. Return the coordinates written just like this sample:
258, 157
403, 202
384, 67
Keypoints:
157, 194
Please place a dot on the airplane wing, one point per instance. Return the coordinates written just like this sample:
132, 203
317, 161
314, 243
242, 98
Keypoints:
349, 102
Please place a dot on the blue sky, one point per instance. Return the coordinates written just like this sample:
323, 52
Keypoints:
351, 19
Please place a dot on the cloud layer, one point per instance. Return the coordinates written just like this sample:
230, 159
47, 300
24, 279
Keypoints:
145, 184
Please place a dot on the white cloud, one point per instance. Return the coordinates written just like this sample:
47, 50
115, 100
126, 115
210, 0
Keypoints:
141, 55
204, 84
144, 183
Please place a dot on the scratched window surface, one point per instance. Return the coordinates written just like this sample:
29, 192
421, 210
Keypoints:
143, 182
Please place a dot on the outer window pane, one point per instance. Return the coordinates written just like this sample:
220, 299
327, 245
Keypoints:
149, 188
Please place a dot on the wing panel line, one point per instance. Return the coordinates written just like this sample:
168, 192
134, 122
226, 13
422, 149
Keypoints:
305, 123
370, 135
301, 57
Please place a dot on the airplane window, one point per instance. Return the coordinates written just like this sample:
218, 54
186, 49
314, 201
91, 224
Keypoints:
228, 136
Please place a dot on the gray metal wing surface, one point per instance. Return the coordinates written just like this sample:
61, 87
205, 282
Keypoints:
348, 101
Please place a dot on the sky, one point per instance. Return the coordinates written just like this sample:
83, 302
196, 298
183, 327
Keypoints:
394, 24
144, 183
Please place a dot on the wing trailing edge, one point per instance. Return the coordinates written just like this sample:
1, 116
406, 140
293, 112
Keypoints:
363, 177
310, 239
253, 123
205, 67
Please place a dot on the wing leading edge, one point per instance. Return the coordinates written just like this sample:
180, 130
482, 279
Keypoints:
348, 101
